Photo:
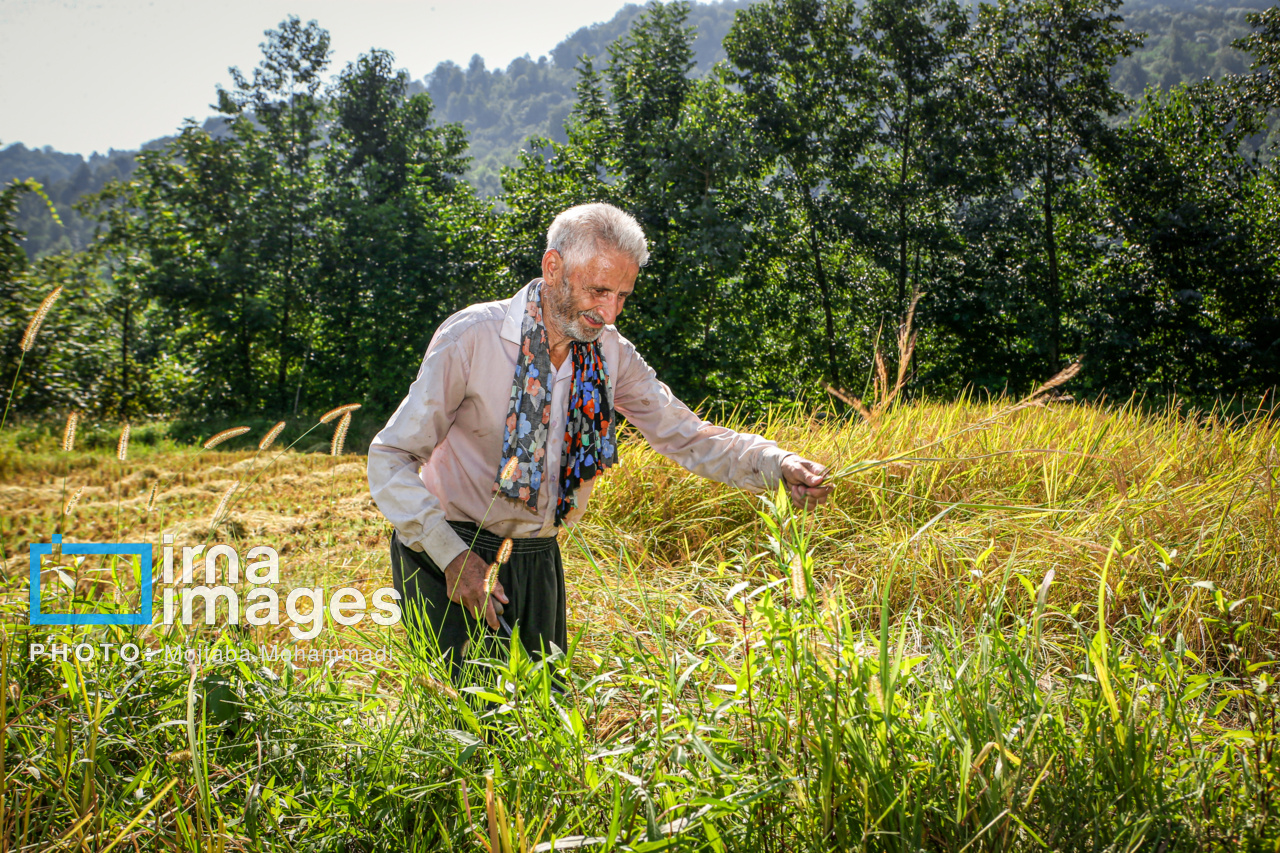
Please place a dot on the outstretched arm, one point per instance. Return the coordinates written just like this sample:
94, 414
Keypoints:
738, 458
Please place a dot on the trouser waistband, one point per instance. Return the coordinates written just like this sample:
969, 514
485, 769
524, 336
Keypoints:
484, 539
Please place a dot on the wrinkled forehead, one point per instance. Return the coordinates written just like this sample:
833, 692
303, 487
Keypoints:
606, 266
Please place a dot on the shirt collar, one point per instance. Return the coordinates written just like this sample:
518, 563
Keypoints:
514, 318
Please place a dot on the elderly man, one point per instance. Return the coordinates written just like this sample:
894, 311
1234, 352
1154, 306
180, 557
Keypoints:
510, 422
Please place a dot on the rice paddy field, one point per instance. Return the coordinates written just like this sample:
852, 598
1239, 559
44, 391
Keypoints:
1047, 627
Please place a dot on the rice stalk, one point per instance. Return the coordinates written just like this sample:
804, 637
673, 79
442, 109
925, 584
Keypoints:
884, 392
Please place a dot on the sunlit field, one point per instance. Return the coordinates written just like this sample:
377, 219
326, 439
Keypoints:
1050, 628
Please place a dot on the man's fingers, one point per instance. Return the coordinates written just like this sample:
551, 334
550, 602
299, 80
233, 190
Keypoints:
491, 615
499, 593
814, 472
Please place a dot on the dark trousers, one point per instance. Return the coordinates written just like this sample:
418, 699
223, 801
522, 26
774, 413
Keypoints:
533, 579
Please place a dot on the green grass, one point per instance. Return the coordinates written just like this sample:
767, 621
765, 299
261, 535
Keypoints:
1052, 633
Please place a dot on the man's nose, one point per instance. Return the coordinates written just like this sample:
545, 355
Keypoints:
610, 307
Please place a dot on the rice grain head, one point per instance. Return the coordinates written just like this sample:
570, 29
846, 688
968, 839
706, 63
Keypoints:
69, 432
33, 328
271, 436
75, 499
222, 504
510, 470
1061, 378
340, 435
224, 435
341, 410
122, 446
504, 552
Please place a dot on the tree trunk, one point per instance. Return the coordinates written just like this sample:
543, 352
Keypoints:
903, 241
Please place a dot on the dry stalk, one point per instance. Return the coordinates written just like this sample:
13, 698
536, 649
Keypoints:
883, 391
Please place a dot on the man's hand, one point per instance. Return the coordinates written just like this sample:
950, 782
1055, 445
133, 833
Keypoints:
464, 580
805, 481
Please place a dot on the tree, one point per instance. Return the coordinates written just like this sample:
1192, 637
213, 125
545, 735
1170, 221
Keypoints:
1047, 67
409, 241
807, 90
276, 117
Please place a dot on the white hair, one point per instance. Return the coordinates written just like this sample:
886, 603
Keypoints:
587, 229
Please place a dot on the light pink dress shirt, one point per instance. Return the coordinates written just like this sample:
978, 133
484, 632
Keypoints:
438, 456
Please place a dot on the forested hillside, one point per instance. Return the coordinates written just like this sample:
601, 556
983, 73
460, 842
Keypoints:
850, 168
502, 109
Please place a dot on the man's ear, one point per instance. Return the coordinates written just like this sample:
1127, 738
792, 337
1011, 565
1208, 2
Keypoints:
552, 267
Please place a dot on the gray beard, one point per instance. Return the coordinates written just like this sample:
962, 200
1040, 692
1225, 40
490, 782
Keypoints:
571, 326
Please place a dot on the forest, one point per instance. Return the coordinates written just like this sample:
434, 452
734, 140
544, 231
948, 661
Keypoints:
1030, 181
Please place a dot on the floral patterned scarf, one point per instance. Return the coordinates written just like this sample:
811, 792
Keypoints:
589, 445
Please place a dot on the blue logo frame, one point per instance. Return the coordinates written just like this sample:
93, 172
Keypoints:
130, 549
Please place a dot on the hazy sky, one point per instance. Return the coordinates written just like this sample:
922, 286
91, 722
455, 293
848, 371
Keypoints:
88, 75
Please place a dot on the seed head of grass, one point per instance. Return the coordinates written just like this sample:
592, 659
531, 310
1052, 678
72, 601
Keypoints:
799, 589
151, 499
341, 410
1062, 377
71, 504
340, 435
490, 579
222, 504
271, 436
504, 552
122, 446
510, 470
69, 432
33, 328
224, 435
179, 756
437, 687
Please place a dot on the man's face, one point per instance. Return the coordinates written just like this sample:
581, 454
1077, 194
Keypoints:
582, 300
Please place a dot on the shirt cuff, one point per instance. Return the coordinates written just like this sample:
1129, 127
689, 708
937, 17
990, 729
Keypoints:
771, 466
441, 543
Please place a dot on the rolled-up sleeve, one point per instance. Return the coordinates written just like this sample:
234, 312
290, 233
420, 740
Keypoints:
738, 458
407, 442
